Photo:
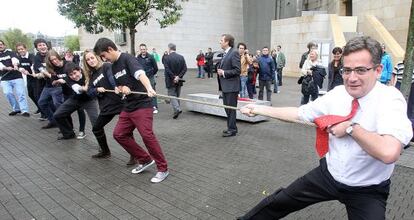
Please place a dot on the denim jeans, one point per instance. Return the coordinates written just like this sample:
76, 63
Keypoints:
275, 89
200, 72
243, 87
18, 99
153, 83
48, 94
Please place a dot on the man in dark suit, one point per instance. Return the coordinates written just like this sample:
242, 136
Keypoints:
229, 76
175, 68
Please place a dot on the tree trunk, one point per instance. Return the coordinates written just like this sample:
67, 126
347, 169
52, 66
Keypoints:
132, 32
408, 59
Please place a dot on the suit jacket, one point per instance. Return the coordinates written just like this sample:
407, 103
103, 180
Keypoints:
174, 65
230, 63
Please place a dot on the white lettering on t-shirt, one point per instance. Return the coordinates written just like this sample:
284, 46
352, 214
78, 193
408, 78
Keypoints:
120, 74
96, 81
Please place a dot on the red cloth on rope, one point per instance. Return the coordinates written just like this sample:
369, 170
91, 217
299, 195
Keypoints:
323, 122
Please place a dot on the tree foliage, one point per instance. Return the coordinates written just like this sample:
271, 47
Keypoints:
13, 36
120, 14
72, 42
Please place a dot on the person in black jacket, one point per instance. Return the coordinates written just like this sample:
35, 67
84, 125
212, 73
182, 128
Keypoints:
150, 66
334, 76
229, 76
209, 63
175, 69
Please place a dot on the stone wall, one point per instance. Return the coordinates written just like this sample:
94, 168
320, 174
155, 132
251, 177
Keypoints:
394, 15
201, 26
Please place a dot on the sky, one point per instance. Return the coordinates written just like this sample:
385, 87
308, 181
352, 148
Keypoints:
34, 16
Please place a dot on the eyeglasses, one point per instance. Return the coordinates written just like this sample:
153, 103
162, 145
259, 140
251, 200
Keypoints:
358, 70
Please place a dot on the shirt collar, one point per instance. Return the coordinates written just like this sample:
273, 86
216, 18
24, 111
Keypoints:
26, 55
227, 50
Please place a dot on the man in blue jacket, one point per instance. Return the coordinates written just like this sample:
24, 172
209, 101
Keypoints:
266, 74
387, 67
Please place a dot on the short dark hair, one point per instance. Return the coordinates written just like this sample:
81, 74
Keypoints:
336, 50
279, 46
20, 44
242, 44
311, 44
229, 38
172, 46
2, 42
142, 45
38, 41
103, 44
364, 43
71, 66
265, 47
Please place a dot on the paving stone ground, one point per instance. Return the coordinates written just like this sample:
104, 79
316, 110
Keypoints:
211, 177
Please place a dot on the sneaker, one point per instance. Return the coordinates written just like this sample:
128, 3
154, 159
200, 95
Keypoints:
155, 111
81, 135
26, 114
36, 112
142, 167
159, 177
13, 113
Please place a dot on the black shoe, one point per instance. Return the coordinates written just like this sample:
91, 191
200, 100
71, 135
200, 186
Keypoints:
229, 134
102, 155
225, 131
36, 112
49, 125
72, 136
132, 161
177, 113
220, 97
13, 113
26, 114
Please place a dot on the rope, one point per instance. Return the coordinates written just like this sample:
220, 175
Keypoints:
219, 106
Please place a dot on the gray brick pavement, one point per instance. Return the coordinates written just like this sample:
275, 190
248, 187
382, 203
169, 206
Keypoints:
211, 177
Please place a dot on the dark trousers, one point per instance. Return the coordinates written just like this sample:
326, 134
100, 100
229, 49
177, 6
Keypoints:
279, 75
99, 132
251, 89
262, 85
230, 98
141, 119
32, 92
62, 114
318, 185
48, 95
305, 98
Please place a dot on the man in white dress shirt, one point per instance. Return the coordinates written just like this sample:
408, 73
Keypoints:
362, 152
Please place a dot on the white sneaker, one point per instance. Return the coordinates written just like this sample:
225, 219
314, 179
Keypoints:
155, 111
159, 177
81, 135
142, 167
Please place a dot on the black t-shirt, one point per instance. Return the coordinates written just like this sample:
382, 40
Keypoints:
109, 102
39, 66
124, 69
60, 73
26, 63
83, 96
6, 60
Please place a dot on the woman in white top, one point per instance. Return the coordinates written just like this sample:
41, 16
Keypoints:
309, 88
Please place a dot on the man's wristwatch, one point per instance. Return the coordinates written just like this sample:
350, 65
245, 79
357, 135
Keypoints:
350, 129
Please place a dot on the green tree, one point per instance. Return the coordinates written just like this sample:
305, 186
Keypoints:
72, 42
13, 36
93, 15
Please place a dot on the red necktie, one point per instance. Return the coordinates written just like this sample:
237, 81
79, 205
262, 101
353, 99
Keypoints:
322, 136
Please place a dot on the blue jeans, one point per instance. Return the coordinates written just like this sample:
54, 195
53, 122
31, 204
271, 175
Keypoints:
18, 99
243, 87
153, 83
48, 94
275, 89
200, 72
